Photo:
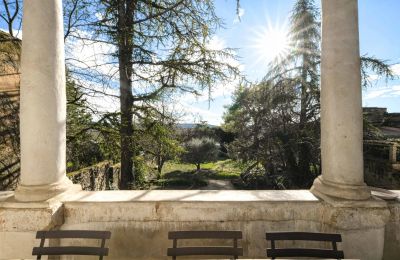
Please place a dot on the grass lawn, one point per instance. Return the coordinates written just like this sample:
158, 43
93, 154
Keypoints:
177, 175
226, 169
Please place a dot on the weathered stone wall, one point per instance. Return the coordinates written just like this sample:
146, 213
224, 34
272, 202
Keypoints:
375, 115
379, 116
9, 141
393, 119
101, 176
140, 220
392, 232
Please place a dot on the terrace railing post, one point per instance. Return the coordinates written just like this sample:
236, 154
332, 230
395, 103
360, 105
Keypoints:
43, 103
341, 107
393, 153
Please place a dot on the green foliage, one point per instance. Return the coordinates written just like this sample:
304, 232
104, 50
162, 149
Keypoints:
378, 66
156, 136
163, 46
261, 117
89, 141
200, 150
184, 175
82, 147
203, 130
276, 122
142, 170
224, 169
179, 179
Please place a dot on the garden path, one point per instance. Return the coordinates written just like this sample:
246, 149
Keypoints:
218, 185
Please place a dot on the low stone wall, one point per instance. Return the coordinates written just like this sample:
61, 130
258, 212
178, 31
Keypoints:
140, 220
101, 176
392, 232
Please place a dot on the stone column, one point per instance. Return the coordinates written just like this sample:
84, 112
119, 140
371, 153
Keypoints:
42, 103
341, 109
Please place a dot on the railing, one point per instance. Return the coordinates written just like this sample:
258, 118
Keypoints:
382, 150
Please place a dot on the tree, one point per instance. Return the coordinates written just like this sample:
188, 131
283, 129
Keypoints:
300, 69
160, 47
156, 135
261, 118
10, 14
200, 151
283, 131
83, 142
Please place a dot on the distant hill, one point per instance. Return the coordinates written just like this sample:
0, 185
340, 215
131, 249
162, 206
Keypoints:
191, 125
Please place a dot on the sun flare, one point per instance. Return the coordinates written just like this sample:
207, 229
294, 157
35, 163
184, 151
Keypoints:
271, 42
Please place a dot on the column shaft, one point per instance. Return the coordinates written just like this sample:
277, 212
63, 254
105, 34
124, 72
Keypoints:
42, 102
341, 106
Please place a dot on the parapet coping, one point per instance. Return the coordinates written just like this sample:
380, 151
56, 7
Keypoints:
193, 196
7, 198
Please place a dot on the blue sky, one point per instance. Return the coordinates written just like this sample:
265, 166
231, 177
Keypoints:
252, 39
379, 37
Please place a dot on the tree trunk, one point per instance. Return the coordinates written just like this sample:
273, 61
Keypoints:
198, 166
125, 51
160, 164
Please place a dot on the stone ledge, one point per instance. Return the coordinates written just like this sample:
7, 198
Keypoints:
192, 196
139, 219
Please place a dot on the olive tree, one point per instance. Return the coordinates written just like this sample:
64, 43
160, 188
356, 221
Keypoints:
200, 150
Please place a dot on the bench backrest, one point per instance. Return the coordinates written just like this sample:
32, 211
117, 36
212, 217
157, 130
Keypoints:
304, 252
71, 250
233, 251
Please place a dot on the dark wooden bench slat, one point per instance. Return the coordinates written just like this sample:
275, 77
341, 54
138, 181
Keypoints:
304, 236
234, 251
205, 235
74, 234
305, 252
184, 251
70, 250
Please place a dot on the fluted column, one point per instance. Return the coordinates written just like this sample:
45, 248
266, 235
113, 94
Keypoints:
341, 107
42, 103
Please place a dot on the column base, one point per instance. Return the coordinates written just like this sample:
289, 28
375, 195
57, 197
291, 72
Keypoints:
32, 193
322, 188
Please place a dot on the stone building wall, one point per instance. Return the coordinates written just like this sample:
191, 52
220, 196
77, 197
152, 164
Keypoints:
379, 116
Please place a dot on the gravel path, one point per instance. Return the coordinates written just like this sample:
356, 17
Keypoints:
218, 185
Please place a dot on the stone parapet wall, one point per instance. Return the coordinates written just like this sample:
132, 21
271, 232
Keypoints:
140, 220
392, 231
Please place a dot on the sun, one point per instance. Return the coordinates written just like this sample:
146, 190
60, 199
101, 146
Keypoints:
271, 42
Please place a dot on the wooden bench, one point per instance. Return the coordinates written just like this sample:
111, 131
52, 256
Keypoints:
304, 252
71, 250
233, 251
